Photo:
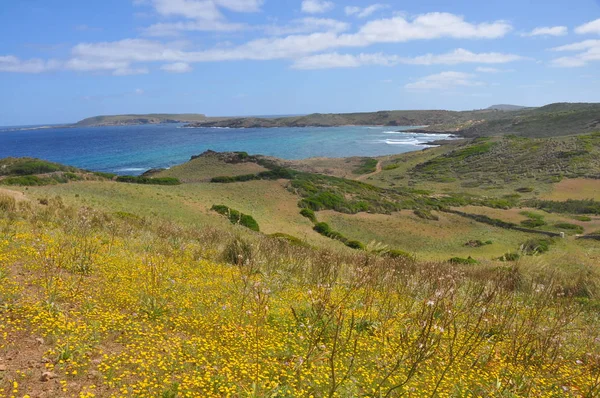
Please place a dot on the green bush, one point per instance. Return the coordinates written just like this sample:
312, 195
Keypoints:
323, 228
249, 222
463, 261
235, 217
533, 223
34, 166
582, 218
354, 244
569, 227
27, 181
148, 180
308, 213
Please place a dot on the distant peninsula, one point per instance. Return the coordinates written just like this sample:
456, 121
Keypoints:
128, 120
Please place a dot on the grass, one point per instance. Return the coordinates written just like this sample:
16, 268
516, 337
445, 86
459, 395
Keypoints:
366, 166
124, 308
203, 168
149, 180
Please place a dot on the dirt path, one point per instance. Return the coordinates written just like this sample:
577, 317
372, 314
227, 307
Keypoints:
378, 170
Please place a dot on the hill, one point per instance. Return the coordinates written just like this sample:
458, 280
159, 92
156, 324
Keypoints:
552, 120
506, 107
125, 120
381, 118
350, 289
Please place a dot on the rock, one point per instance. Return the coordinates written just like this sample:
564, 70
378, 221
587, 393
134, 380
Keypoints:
48, 376
3, 368
40, 340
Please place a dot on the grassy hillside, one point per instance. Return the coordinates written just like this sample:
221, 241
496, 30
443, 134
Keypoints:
94, 303
548, 121
494, 166
152, 118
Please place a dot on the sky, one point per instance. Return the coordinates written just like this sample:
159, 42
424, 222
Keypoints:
64, 60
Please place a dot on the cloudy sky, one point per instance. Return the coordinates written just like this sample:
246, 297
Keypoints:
63, 60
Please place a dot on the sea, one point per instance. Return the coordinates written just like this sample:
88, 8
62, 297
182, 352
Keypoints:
131, 150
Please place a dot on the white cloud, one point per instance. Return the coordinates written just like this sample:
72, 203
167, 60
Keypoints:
458, 56
590, 27
589, 51
316, 6
130, 71
443, 81
206, 15
139, 91
10, 63
548, 31
483, 69
175, 28
177, 67
364, 12
121, 57
308, 25
430, 26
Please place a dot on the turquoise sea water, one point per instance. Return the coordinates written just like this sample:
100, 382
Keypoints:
135, 149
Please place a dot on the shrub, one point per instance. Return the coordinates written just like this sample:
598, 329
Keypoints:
569, 227
536, 246
464, 261
354, 244
235, 217
582, 218
28, 181
323, 228
308, 213
524, 189
249, 222
531, 223
426, 214
34, 166
149, 180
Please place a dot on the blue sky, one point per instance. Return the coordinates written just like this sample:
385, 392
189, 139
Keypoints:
64, 60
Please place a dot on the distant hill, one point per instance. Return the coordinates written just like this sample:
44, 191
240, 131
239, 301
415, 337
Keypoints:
153, 118
506, 107
560, 119
381, 118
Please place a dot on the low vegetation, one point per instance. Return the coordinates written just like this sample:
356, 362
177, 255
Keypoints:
148, 180
122, 308
236, 217
366, 166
